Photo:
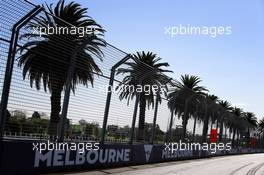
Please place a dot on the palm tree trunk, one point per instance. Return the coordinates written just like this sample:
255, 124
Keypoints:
217, 124
205, 128
225, 133
184, 125
237, 139
185, 119
169, 135
141, 122
55, 109
248, 139
194, 127
233, 138
221, 129
211, 126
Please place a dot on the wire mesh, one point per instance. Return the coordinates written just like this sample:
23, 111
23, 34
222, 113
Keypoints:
39, 77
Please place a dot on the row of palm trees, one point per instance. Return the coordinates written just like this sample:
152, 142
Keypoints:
190, 100
46, 62
261, 128
186, 99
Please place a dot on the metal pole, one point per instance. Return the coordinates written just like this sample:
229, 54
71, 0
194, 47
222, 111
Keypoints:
67, 93
154, 120
10, 63
67, 96
134, 120
107, 106
109, 94
9, 70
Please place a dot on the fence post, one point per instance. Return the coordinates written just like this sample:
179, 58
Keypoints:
109, 94
10, 64
67, 94
156, 113
154, 120
9, 70
107, 105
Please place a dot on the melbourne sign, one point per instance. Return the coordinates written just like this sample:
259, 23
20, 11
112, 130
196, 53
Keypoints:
72, 158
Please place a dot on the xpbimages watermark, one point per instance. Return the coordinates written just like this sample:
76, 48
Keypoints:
62, 30
212, 147
147, 89
212, 31
81, 147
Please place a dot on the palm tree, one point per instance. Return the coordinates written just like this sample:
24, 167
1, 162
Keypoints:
184, 97
198, 116
237, 122
46, 61
261, 126
211, 109
146, 71
225, 111
252, 122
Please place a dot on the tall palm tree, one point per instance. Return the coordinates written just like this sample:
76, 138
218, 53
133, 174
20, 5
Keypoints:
184, 97
252, 122
237, 122
211, 109
197, 116
46, 60
146, 71
261, 126
224, 112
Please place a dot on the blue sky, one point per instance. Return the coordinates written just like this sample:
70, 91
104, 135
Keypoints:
231, 66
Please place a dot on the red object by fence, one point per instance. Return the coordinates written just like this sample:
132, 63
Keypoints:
213, 136
253, 142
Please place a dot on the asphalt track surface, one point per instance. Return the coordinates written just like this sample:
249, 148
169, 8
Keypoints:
247, 164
